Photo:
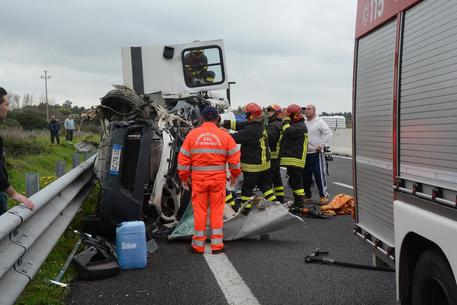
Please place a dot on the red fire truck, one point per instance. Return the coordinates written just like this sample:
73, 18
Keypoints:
405, 142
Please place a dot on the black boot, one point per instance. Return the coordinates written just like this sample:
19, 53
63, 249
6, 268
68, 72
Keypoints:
280, 199
299, 204
246, 209
236, 206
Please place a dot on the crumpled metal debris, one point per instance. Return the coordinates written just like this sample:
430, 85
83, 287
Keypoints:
265, 217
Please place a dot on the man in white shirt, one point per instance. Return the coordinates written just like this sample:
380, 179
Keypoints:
319, 136
69, 125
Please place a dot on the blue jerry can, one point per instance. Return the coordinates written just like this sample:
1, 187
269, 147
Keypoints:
131, 245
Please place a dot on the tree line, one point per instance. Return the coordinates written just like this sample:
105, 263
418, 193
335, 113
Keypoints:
29, 112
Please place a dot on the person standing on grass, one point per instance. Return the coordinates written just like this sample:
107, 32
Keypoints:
69, 125
54, 127
5, 186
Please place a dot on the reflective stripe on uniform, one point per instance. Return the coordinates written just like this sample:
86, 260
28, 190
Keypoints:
270, 191
199, 233
248, 206
285, 127
271, 198
198, 243
244, 198
183, 167
233, 124
288, 161
234, 166
233, 151
208, 150
208, 168
263, 147
216, 231
305, 147
299, 192
275, 153
254, 168
184, 152
216, 241
279, 191
229, 199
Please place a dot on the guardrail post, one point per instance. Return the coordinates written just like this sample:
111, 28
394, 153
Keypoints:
32, 183
60, 168
76, 159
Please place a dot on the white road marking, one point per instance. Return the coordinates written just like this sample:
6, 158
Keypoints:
235, 290
342, 157
343, 185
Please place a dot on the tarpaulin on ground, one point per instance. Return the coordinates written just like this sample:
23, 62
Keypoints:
265, 217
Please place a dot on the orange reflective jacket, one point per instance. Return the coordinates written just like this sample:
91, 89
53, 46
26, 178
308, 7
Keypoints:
205, 153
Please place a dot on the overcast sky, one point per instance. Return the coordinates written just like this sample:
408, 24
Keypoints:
283, 52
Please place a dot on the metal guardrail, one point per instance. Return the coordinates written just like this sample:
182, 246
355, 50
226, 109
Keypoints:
27, 237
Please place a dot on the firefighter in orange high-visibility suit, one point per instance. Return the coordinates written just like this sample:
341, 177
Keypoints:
202, 162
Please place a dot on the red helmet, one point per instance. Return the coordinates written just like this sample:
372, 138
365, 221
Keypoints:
274, 107
294, 112
252, 111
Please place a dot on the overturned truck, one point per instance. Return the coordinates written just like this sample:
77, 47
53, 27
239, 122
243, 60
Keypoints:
136, 162
145, 122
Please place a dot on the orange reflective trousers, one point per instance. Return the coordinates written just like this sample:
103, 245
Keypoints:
204, 192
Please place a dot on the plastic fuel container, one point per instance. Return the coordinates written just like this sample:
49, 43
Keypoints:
131, 245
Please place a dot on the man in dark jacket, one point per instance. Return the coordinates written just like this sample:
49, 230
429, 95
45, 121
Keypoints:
294, 145
5, 186
274, 130
255, 155
54, 127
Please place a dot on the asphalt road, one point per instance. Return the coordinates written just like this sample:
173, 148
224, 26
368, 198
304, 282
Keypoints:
255, 271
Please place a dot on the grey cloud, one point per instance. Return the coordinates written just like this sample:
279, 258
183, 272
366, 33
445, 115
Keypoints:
275, 50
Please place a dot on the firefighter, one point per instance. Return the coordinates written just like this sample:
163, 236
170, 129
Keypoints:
293, 152
196, 64
255, 156
274, 131
202, 162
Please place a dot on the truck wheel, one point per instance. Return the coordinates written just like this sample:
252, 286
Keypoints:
120, 103
433, 282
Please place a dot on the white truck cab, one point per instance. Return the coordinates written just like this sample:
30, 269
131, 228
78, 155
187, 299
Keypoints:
180, 69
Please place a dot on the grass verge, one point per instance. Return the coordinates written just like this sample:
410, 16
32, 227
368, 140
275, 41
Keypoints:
42, 159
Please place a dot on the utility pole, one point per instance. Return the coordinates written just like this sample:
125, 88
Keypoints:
46, 77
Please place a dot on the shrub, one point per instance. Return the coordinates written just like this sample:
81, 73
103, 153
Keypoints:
16, 146
31, 121
10, 122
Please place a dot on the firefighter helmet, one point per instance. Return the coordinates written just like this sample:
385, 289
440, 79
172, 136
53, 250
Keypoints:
294, 112
253, 111
274, 107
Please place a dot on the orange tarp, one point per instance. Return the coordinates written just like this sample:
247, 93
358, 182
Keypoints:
341, 204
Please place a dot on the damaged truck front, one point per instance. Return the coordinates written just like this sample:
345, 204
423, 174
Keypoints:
145, 121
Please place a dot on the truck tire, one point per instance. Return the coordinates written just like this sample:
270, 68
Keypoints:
433, 282
121, 103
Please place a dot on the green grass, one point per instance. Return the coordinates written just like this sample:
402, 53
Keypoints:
40, 291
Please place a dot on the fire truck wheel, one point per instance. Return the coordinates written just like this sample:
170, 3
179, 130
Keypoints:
433, 282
